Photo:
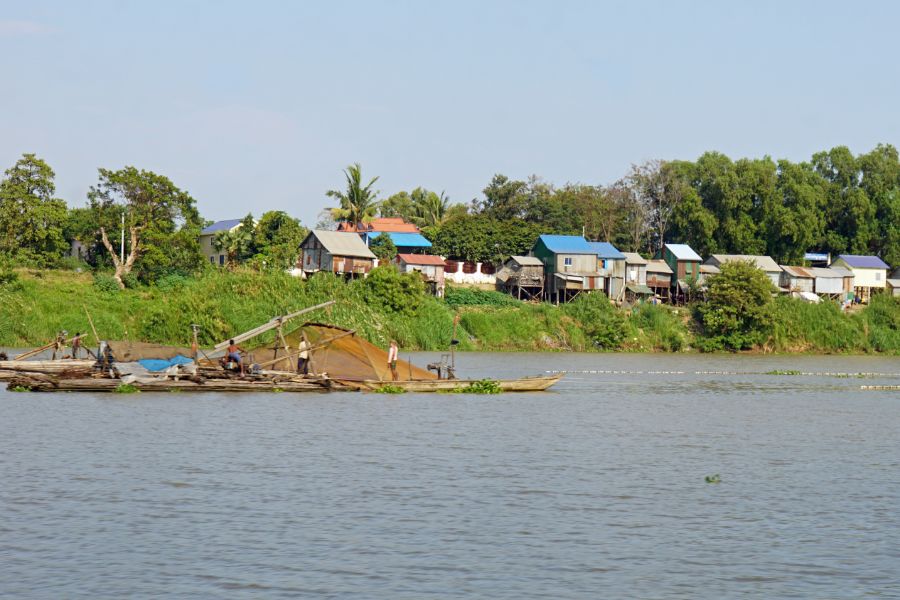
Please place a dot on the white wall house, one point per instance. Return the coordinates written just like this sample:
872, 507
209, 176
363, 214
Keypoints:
207, 237
870, 273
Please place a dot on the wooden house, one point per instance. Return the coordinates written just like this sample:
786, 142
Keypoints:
684, 262
764, 263
659, 278
335, 252
522, 276
570, 266
430, 267
870, 273
636, 277
611, 265
797, 279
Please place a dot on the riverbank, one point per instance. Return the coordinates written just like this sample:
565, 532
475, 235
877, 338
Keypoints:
37, 304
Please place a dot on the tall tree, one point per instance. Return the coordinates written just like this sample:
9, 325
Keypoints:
277, 239
31, 219
503, 199
162, 221
358, 202
428, 208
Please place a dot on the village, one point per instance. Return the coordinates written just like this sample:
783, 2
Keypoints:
561, 267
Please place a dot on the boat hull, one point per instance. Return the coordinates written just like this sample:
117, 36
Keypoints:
524, 384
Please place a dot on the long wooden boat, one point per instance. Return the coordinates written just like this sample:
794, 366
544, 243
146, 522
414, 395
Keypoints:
45, 383
524, 384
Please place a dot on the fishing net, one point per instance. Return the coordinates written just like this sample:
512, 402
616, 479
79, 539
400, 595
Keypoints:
134, 351
337, 352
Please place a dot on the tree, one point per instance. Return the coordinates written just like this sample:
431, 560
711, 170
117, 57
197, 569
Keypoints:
428, 208
358, 202
383, 247
31, 219
478, 239
397, 205
737, 314
162, 221
277, 238
659, 191
237, 243
503, 199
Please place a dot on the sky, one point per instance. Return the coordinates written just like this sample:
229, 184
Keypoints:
256, 106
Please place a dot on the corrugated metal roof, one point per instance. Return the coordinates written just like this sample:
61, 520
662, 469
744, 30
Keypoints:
658, 266
826, 273
764, 263
340, 243
527, 261
633, 258
607, 250
402, 239
709, 269
683, 252
421, 259
816, 256
802, 272
221, 226
843, 272
567, 244
863, 262
894, 283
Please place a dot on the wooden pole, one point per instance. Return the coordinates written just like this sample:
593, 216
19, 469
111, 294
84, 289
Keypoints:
91, 321
272, 324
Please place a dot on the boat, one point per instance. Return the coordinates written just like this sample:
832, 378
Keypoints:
523, 384
72, 366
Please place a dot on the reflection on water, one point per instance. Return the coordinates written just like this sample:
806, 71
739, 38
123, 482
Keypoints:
595, 489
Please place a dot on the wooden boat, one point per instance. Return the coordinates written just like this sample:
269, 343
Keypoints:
524, 384
47, 383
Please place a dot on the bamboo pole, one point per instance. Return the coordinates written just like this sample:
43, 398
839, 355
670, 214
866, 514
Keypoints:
272, 324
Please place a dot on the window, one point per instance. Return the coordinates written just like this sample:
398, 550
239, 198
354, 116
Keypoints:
212, 259
567, 261
221, 259
878, 276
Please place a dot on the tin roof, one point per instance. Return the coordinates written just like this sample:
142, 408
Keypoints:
894, 283
858, 261
658, 266
421, 259
221, 226
764, 263
527, 261
802, 272
841, 271
826, 273
683, 252
633, 258
567, 244
402, 239
341, 243
710, 269
606, 250
396, 224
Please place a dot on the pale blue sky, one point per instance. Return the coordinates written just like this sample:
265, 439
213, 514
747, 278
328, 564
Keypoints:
252, 106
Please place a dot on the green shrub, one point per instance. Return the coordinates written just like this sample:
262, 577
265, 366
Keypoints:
105, 283
8, 275
390, 389
171, 282
126, 388
402, 293
737, 313
601, 322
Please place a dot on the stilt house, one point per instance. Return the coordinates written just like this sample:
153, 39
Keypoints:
869, 273
335, 252
523, 277
570, 266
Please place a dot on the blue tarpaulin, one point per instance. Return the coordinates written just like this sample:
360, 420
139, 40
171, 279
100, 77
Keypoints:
158, 364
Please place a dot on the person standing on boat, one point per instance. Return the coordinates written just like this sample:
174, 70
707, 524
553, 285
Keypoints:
76, 345
303, 358
234, 354
393, 351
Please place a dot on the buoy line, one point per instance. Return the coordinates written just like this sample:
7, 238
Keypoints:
782, 374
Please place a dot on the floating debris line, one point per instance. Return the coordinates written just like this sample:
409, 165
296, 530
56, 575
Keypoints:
770, 373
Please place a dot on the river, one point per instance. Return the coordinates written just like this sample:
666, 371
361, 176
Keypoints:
595, 489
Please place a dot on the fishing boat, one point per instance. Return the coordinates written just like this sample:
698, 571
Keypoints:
523, 384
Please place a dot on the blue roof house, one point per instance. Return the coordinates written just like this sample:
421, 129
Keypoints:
208, 235
870, 273
570, 266
406, 242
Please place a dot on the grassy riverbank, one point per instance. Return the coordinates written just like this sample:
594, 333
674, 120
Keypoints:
37, 304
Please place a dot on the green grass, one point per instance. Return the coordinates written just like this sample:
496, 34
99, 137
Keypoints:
35, 305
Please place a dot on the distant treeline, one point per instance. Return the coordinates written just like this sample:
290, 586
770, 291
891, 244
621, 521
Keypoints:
836, 202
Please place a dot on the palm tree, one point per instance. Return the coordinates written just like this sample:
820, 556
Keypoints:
236, 244
358, 202
429, 208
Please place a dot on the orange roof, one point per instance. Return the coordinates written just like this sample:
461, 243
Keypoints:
421, 259
395, 224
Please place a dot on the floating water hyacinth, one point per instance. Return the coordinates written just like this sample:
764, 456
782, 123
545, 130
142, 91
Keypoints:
713, 478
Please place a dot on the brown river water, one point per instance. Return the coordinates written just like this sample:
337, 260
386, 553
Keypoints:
595, 489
